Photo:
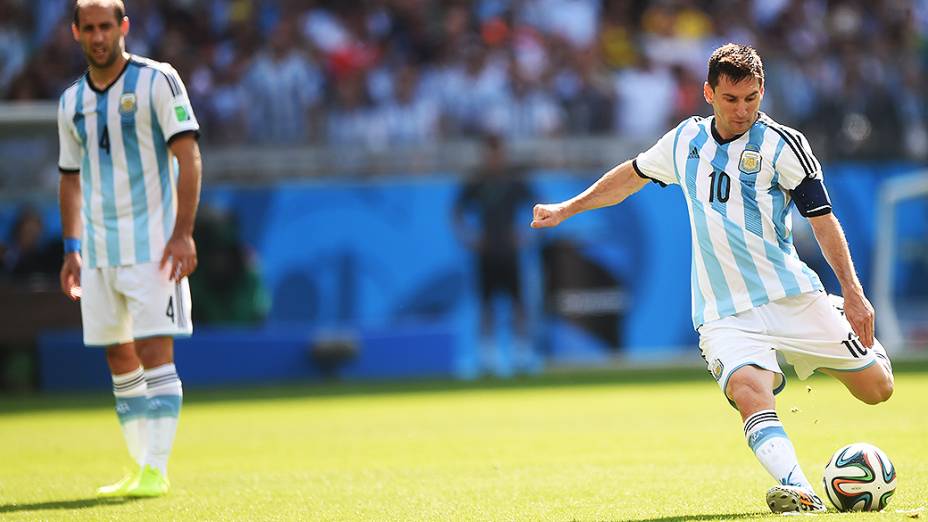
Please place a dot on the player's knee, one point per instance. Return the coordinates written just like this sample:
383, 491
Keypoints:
885, 389
746, 392
121, 359
878, 392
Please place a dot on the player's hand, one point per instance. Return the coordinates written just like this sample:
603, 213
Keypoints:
548, 215
180, 255
859, 313
70, 276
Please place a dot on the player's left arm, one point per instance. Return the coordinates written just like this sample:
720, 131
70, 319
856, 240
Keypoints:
857, 308
179, 124
801, 174
180, 249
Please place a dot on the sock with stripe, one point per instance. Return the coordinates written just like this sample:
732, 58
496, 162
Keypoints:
771, 446
130, 390
164, 399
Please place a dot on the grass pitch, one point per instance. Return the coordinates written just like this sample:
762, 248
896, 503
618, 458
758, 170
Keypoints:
600, 447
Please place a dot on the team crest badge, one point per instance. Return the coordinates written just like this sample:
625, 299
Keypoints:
750, 162
127, 103
716, 368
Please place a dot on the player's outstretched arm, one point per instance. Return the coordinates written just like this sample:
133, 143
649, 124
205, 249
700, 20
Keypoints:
857, 308
612, 188
180, 249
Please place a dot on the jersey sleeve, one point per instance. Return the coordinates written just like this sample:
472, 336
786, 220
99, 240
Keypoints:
796, 162
656, 163
172, 106
69, 146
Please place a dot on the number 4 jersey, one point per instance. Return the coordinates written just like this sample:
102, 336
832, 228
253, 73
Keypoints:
118, 140
739, 193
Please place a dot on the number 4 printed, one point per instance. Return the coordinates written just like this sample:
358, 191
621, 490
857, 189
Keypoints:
170, 311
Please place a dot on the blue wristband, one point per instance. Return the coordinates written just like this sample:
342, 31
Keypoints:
71, 245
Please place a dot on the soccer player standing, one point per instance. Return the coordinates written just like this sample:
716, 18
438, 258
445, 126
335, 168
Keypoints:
752, 296
129, 191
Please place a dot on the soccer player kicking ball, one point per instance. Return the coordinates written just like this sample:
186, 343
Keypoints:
126, 133
752, 296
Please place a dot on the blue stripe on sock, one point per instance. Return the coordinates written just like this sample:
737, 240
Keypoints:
131, 408
762, 435
164, 406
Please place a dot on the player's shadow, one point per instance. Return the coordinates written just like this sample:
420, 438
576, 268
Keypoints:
77, 503
715, 516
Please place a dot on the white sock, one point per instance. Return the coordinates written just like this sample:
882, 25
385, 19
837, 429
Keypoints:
165, 395
132, 410
771, 446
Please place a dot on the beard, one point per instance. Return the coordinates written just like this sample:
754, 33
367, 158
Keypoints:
108, 59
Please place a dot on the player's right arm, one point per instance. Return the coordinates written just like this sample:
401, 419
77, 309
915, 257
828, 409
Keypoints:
654, 164
611, 189
69, 202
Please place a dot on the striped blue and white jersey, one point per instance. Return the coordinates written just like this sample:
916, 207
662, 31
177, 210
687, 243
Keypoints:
117, 140
738, 196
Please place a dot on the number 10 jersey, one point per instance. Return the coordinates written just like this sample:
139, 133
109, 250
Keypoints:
738, 196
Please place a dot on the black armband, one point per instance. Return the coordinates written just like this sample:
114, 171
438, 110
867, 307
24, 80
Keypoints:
811, 198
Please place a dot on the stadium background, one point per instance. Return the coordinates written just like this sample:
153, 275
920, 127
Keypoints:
337, 135
334, 373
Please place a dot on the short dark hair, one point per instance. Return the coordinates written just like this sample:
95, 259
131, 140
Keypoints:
737, 62
119, 9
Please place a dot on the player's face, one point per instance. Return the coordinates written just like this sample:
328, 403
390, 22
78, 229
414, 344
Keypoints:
735, 104
100, 34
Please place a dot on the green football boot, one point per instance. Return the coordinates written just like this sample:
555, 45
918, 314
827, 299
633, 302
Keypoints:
118, 489
149, 483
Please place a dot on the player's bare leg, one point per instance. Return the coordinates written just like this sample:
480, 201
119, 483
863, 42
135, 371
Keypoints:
122, 358
751, 389
871, 385
155, 351
164, 400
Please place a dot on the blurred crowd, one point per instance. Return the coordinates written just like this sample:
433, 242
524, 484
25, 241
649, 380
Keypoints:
394, 73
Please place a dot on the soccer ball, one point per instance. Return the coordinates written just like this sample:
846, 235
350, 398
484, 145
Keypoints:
859, 477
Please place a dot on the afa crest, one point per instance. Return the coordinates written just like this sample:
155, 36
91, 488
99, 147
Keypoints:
716, 368
750, 162
127, 103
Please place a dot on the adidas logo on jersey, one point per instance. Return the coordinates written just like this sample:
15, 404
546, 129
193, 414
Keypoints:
694, 153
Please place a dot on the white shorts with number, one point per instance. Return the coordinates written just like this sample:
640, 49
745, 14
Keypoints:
809, 329
125, 303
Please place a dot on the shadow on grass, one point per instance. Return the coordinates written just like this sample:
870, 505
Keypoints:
77, 503
717, 516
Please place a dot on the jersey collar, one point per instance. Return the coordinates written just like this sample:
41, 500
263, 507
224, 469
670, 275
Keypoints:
112, 82
718, 139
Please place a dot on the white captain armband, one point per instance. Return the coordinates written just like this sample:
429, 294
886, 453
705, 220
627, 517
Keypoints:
811, 198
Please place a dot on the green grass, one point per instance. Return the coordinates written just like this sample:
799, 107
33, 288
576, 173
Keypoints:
555, 448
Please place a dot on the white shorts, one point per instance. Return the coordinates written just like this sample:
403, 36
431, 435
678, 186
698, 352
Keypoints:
124, 303
808, 329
